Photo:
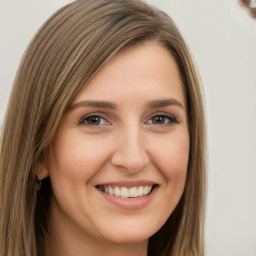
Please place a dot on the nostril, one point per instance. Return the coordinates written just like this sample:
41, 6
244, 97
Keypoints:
129, 160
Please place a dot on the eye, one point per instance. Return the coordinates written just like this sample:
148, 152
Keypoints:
94, 120
163, 119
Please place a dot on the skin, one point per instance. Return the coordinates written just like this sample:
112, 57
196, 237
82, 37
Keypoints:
134, 140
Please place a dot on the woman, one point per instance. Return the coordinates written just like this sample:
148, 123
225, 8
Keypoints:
103, 151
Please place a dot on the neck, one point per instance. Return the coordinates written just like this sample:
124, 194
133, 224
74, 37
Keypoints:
86, 249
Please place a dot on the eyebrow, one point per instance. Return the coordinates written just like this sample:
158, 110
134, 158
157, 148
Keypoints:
106, 104
164, 103
99, 104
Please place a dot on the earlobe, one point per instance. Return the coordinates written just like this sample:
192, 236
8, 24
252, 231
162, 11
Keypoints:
42, 171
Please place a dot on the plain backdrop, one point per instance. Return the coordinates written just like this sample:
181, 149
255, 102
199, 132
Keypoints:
222, 38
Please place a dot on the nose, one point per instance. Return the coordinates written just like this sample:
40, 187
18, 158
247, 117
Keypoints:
130, 153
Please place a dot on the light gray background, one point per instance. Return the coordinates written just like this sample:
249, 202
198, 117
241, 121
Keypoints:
222, 38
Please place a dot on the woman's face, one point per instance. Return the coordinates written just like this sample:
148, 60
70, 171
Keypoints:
119, 164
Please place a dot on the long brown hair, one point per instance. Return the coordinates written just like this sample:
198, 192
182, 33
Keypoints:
69, 49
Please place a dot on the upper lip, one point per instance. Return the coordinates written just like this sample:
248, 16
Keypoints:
128, 184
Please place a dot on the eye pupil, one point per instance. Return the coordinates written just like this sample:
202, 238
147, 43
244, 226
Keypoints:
158, 120
93, 120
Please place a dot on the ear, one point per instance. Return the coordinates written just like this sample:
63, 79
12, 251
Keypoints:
42, 171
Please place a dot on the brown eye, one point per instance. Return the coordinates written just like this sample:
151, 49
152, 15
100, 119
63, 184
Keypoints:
94, 120
162, 119
158, 120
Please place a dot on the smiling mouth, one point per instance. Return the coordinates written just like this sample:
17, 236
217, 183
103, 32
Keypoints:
125, 192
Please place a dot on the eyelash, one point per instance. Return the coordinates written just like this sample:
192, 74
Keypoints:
85, 120
168, 120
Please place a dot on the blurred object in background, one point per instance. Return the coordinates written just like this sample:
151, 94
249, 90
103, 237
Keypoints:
250, 5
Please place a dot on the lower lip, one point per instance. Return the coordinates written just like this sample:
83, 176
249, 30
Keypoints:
130, 203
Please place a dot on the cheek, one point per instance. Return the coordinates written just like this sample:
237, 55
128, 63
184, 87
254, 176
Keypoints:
171, 159
78, 157
171, 156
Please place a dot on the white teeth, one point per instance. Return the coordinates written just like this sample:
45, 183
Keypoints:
140, 191
133, 192
117, 191
145, 190
128, 192
124, 192
110, 190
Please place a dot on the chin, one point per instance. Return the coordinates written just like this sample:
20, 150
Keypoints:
130, 236
126, 240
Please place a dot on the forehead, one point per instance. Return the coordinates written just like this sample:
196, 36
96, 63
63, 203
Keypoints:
146, 71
